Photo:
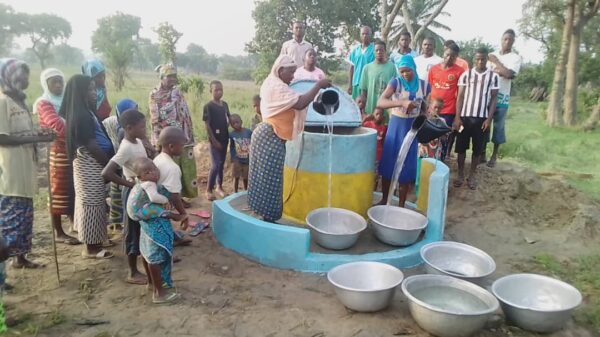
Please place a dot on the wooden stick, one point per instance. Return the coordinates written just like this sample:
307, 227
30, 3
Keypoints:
50, 209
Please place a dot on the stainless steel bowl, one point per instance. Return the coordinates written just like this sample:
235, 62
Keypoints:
335, 228
535, 302
458, 260
365, 286
448, 307
396, 226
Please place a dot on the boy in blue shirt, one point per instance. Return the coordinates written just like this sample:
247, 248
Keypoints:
239, 142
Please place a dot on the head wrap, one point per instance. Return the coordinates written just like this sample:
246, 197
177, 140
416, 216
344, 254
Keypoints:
11, 71
124, 105
165, 70
92, 68
407, 61
55, 100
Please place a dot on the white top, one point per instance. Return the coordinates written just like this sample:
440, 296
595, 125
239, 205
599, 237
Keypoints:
128, 151
170, 173
424, 64
511, 61
478, 92
152, 190
296, 50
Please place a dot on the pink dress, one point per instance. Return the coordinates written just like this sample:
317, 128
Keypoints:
303, 74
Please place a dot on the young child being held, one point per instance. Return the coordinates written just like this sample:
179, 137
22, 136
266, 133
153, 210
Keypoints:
216, 117
240, 151
377, 123
257, 119
434, 148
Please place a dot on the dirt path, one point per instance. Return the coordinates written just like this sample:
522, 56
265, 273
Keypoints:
227, 295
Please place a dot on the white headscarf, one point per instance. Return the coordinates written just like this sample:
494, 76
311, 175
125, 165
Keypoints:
56, 101
277, 96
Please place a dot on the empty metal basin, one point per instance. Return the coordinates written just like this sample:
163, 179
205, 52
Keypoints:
335, 228
396, 226
457, 260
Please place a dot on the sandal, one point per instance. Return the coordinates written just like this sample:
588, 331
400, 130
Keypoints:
458, 182
167, 299
102, 254
472, 183
68, 241
108, 244
140, 280
201, 214
198, 229
27, 265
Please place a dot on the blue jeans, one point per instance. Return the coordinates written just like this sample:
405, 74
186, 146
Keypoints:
499, 132
218, 164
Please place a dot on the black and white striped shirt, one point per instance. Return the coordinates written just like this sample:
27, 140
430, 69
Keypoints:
478, 92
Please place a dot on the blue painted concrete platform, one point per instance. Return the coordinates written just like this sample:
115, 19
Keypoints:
288, 247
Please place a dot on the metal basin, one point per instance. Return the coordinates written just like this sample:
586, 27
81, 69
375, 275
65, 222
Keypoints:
335, 228
448, 307
365, 286
457, 260
535, 302
396, 226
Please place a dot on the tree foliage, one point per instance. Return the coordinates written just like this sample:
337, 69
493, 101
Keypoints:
326, 21
167, 40
12, 24
147, 55
115, 39
419, 19
467, 48
198, 60
64, 54
43, 30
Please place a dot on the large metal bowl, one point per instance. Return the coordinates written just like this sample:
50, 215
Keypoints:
535, 302
457, 260
448, 307
396, 226
335, 228
365, 286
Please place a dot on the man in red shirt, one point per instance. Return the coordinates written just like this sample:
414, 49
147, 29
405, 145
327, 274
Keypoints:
443, 79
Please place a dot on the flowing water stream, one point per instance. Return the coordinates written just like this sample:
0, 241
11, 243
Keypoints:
329, 123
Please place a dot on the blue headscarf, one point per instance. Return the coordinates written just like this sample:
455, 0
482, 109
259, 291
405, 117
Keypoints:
407, 61
124, 105
92, 68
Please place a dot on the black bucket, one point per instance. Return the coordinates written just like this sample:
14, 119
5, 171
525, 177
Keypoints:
430, 129
327, 102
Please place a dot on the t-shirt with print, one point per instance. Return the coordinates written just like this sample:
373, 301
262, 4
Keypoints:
240, 145
424, 64
126, 153
444, 85
170, 173
513, 62
381, 131
217, 116
359, 58
374, 80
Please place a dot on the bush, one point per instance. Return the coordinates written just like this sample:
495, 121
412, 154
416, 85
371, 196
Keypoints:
192, 85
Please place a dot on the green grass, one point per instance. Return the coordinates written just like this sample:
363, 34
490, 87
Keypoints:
569, 152
584, 274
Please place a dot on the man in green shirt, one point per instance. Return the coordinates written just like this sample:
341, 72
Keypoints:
375, 77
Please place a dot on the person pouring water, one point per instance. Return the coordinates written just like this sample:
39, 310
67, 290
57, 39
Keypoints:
405, 97
284, 112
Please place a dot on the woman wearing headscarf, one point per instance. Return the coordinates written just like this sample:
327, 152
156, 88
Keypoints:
96, 70
62, 193
405, 97
18, 161
169, 108
89, 148
284, 112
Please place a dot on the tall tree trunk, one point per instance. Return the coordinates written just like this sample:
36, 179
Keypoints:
594, 119
388, 15
570, 102
554, 111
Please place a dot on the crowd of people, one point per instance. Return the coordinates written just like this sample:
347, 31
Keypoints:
149, 181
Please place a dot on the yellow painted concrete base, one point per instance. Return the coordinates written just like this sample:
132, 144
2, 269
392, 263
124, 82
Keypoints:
305, 191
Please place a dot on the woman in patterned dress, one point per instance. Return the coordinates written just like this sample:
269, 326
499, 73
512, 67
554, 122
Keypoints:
168, 108
284, 112
61, 172
90, 148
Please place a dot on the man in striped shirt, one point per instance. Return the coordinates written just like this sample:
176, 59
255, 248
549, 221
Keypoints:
476, 102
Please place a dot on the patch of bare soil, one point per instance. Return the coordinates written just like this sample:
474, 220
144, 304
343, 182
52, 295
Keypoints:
514, 215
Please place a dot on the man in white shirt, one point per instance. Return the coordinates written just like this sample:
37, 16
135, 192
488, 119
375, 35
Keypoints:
506, 64
427, 59
296, 48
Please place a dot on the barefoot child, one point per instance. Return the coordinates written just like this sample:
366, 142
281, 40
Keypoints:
257, 119
378, 124
156, 238
240, 151
133, 123
476, 103
216, 117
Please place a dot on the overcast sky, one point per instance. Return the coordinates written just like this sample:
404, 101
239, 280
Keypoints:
224, 26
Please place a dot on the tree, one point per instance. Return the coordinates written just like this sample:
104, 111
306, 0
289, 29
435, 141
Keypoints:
199, 60
388, 13
468, 48
11, 24
115, 39
43, 30
167, 39
327, 20
64, 54
147, 55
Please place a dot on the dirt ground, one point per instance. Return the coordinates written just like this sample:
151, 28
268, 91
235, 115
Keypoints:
514, 215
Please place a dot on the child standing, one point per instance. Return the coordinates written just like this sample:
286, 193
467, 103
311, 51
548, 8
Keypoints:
133, 123
377, 123
156, 239
476, 102
257, 119
240, 151
216, 117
